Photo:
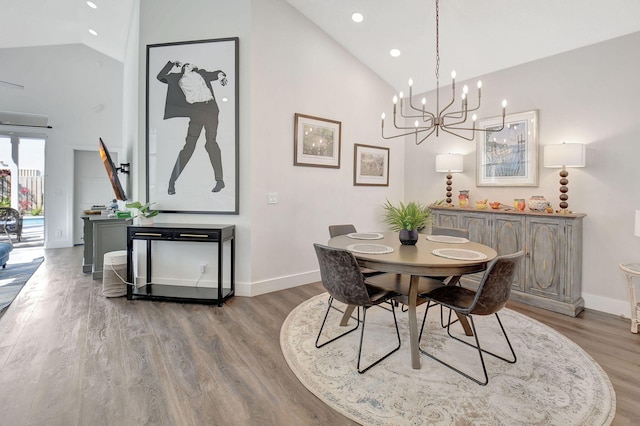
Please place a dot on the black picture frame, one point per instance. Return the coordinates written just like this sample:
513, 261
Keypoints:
179, 108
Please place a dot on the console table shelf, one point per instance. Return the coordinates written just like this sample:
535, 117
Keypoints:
218, 234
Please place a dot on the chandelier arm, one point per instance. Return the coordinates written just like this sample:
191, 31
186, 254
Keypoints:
425, 138
422, 128
462, 115
422, 110
396, 136
473, 135
411, 116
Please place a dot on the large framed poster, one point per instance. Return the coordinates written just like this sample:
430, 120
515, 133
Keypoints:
192, 141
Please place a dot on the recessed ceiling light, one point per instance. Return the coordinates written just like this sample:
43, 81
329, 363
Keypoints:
92, 5
394, 52
93, 32
357, 17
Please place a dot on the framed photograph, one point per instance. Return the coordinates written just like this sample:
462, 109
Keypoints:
192, 140
316, 142
370, 165
508, 157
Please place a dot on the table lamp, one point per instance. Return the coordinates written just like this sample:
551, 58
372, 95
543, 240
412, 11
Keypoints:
449, 163
564, 155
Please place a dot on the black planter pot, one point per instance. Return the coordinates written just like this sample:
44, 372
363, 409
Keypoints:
408, 238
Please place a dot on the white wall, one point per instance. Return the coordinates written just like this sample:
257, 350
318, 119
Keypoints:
279, 76
81, 92
297, 68
588, 95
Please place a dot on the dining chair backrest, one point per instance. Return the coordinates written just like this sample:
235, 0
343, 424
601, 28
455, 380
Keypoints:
337, 230
495, 286
451, 232
341, 276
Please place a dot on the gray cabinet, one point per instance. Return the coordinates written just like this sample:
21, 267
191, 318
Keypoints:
550, 274
102, 235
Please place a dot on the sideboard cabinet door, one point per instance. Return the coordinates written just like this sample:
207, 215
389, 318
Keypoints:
507, 236
545, 257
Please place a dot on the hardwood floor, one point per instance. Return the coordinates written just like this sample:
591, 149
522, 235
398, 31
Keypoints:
69, 356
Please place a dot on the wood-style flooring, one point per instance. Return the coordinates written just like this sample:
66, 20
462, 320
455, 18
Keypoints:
69, 356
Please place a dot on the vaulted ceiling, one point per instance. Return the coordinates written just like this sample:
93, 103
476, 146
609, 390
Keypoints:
476, 37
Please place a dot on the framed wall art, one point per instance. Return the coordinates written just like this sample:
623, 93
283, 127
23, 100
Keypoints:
370, 165
508, 156
192, 139
316, 142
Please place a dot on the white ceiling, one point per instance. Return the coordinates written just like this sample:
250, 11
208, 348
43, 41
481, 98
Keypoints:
476, 37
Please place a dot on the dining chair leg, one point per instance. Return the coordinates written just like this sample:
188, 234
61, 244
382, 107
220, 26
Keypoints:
364, 320
513, 354
339, 336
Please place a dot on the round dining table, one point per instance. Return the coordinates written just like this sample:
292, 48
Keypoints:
432, 256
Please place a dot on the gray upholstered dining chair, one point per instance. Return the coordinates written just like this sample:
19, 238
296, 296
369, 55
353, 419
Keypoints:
451, 232
344, 282
337, 230
492, 295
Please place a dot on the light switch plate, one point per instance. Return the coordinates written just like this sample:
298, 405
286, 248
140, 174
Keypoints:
272, 198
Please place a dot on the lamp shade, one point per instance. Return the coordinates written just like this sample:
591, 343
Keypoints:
637, 230
449, 163
564, 155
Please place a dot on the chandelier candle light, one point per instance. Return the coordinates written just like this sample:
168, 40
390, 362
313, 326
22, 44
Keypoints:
452, 122
449, 163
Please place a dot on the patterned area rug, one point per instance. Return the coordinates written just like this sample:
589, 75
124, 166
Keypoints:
14, 277
554, 381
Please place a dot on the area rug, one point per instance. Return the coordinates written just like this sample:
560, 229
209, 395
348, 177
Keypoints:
554, 381
13, 278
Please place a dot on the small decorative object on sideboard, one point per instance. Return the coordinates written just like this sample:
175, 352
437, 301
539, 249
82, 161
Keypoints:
519, 203
537, 203
495, 205
463, 198
481, 204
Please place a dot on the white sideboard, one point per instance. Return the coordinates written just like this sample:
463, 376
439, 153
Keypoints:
550, 273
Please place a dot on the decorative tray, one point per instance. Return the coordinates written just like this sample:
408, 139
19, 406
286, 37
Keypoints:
365, 235
447, 239
370, 248
459, 254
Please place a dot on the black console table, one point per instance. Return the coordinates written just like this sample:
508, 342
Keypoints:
181, 232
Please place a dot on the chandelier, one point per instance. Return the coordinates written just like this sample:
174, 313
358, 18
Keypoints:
446, 120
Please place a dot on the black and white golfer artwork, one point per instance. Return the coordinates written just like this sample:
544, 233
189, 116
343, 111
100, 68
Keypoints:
192, 126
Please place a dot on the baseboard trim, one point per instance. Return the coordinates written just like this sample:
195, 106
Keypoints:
275, 284
607, 305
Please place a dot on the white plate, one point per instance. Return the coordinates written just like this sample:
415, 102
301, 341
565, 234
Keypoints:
370, 248
366, 235
459, 254
447, 239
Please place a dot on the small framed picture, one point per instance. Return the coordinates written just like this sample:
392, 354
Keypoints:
370, 165
316, 142
508, 156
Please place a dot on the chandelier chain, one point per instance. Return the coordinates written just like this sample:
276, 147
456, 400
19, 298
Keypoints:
437, 40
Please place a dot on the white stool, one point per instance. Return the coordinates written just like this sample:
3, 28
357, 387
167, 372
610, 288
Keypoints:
632, 270
114, 274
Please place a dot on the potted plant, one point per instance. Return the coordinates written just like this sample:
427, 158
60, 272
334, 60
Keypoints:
407, 219
145, 212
